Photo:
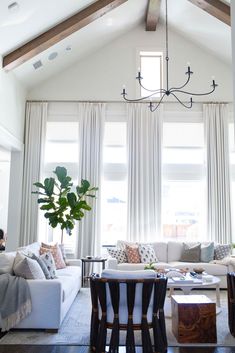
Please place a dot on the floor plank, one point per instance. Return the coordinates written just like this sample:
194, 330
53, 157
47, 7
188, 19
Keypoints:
85, 349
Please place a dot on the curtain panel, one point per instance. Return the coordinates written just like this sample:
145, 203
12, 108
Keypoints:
35, 133
218, 173
144, 140
91, 128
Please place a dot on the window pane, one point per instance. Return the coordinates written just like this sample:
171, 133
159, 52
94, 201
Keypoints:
115, 143
114, 210
183, 134
150, 72
183, 211
61, 152
183, 155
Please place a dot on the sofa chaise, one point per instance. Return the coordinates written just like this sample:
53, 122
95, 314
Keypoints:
51, 298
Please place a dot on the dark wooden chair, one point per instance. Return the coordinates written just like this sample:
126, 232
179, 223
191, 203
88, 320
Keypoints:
128, 304
231, 302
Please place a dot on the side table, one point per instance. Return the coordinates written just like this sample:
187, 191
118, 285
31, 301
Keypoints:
85, 260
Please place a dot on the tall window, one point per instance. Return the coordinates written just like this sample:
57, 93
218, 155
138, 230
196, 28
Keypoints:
183, 204
114, 187
151, 71
61, 148
232, 171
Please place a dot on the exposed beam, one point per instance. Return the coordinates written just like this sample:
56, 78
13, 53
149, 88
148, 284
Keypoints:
153, 14
215, 8
59, 32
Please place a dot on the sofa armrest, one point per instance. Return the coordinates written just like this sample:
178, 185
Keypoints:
73, 262
111, 263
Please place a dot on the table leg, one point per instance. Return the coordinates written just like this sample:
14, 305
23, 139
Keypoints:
218, 295
103, 265
83, 272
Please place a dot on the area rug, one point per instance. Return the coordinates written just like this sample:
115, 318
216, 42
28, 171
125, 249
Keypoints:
75, 328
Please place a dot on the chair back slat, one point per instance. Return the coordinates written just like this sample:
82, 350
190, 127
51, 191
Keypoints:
130, 338
115, 297
231, 301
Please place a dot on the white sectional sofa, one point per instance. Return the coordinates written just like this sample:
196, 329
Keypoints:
169, 254
51, 298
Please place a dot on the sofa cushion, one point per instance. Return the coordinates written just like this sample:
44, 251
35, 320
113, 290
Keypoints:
56, 253
118, 254
70, 271
27, 268
207, 252
174, 251
132, 253
160, 249
141, 266
6, 262
66, 277
191, 253
211, 269
147, 253
31, 248
50, 263
222, 250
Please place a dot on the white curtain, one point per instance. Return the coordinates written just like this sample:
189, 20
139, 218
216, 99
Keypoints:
144, 140
91, 127
35, 133
218, 176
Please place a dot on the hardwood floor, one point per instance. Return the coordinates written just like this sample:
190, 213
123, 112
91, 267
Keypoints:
85, 349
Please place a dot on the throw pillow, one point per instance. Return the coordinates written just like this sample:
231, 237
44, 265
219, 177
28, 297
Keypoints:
27, 268
6, 262
50, 263
207, 252
132, 253
222, 250
41, 264
56, 253
191, 253
118, 254
147, 253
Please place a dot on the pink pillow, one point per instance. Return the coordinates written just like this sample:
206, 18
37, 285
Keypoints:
132, 254
56, 253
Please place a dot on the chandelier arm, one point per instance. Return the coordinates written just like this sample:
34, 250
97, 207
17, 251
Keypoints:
136, 99
152, 108
183, 104
194, 94
176, 88
160, 90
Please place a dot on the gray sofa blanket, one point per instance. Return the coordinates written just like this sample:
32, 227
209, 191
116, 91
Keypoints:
15, 300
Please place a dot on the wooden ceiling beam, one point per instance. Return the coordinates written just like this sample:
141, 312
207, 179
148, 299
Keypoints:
215, 8
153, 14
59, 32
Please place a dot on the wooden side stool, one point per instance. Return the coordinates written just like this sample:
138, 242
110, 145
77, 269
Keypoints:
193, 319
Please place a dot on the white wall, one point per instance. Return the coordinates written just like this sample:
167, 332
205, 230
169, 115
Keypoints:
101, 75
12, 116
12, 104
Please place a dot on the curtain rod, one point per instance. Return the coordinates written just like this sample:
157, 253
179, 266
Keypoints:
112, 101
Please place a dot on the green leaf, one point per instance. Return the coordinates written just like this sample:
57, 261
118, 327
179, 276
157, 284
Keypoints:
39, 185
47, 207
61, 173
43, 200
49, 186
72, 199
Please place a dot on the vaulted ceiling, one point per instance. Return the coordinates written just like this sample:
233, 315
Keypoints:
33, 17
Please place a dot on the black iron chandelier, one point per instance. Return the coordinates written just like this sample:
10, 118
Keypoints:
173, 91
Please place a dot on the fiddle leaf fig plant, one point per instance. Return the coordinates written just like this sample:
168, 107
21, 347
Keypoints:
61, 204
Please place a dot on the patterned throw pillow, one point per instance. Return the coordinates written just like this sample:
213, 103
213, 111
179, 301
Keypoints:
41, 264
132, 253
118, 254
56, 253
222, 250
50, 263
147, 253
191, 253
